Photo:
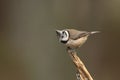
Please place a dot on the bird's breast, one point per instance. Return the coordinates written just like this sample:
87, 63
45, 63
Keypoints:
76, 43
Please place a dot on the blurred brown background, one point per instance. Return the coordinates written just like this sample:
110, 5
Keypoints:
29, 49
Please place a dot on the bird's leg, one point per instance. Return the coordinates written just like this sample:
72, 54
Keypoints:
71, 50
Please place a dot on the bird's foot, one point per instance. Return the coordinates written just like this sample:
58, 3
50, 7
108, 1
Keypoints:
70, 50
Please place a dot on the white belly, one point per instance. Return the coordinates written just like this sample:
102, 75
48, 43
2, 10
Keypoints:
76, 43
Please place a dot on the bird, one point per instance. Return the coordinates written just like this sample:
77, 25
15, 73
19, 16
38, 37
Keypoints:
73, 38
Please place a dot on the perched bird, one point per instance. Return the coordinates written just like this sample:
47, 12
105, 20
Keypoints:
73, 38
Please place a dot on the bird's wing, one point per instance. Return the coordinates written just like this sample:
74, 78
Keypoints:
75, 34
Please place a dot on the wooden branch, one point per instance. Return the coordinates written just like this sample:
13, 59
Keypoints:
83, 72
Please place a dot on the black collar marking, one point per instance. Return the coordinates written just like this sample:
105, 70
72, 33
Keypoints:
64, 41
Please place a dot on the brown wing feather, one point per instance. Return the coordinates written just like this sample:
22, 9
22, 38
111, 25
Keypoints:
75, 34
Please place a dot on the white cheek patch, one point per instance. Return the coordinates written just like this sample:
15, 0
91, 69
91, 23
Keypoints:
65, 36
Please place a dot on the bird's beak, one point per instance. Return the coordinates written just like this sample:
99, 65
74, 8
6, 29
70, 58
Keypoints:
58, 32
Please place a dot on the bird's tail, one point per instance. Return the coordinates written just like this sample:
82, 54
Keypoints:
93, 32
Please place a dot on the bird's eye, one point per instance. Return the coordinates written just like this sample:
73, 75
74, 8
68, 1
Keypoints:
63, 32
